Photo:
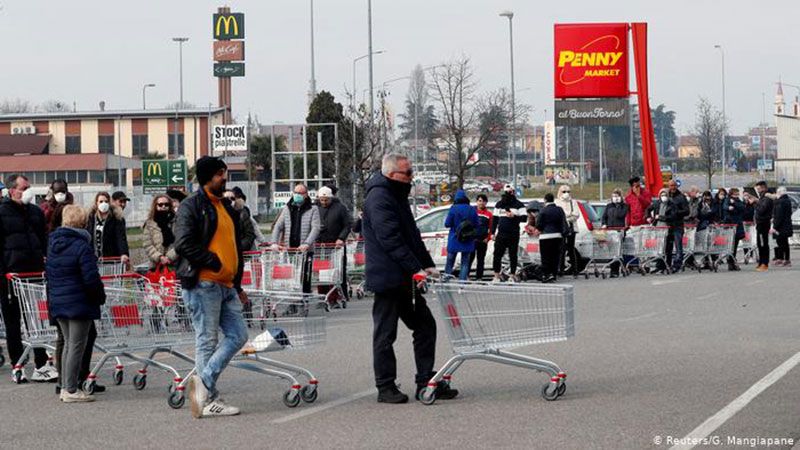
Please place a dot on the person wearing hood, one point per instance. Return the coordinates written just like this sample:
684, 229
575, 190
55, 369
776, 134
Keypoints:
573, 213
238, 202
509, 213
297, 227
158, 238
782, 228
58, 196
462, 220
22, 249
74, 294
107, 227
395, 254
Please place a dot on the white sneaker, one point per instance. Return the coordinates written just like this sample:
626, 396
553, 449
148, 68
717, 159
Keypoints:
77, 397
198, 396
218, 409
44, 374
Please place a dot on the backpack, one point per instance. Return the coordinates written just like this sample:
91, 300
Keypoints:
465, 232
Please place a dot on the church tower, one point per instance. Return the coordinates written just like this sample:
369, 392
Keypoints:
780, 104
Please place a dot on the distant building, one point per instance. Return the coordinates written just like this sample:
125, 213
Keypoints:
787, 163
689, 147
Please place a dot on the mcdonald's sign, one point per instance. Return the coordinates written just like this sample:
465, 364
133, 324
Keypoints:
159, 174
228, 26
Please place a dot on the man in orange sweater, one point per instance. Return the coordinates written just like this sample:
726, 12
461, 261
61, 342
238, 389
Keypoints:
207, 236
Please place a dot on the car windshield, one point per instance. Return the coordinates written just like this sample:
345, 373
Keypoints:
590, 212
433, 222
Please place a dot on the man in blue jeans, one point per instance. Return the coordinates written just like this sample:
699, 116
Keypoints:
207, 236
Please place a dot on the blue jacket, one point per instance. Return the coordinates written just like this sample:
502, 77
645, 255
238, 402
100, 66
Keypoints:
75, 290
394, 248
458, 213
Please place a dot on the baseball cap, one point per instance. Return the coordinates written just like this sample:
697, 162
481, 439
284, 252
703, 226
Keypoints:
324, 192
119, 195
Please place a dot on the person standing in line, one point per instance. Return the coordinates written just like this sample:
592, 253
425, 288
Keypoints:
482, 236
158, 238
763, 219
680, 210
22, 250
207, 240
615, 216
638, 200
74, 294
782, 228
734, 215
551, 225
107, 227
58, 196
119, 200
395, 254
693, 200
335, 223
719, 205
297, 227
509, 213
462, 220
572, 213
661, 214
236, 199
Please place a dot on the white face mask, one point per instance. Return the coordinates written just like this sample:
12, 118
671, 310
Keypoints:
565, 196
60, 197
103, 207
616, 199
27, 197
664, 198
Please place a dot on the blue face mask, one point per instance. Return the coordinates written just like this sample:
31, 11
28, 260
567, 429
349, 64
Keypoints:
297, 198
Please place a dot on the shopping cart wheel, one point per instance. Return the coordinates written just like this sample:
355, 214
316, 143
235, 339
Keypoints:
360, 294
603, 275
88, 386
119, 376
291, 398
176, 400
308, 393
427, 396
140, 381
550, 391
562, 388
343, 303
16, 376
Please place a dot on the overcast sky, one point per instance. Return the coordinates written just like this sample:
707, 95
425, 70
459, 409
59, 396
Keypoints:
87, 51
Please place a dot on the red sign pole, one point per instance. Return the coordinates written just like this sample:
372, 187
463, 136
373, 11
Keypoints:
652, 168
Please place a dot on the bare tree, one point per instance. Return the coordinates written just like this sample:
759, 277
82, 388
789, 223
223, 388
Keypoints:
15, 106
709, 127
53, 106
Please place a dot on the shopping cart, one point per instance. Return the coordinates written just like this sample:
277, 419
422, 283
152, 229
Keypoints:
689, 237
603, 248
327, 261
111, 265
31, 293
437, 247
282, 269
720, 244
749, 244
484, 319
141, 317
253, 272
356, 267
530, 246
647, 244
284, 321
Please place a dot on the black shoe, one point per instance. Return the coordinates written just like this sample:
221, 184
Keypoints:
58, 390
443, 391
392, 395
98, 388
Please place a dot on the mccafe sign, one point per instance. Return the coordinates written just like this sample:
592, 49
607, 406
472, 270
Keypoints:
228, 50
574, 113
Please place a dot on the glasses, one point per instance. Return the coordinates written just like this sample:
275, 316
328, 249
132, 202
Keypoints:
408, 173
565, 192
163, 205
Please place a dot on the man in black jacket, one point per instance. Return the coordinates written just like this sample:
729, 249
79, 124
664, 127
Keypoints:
551, 226
782, 228
680, 209
334, 226
22, 249
763, 217
509, 213
207, 240
395, 253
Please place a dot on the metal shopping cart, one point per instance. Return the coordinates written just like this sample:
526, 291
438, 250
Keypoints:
720, 244
31, 292
327, 261
689, 236
484, 319
604, 249
356, 267
282, 269
749, 244
437, 247
284, 321
647, 244
530, 246
111, 265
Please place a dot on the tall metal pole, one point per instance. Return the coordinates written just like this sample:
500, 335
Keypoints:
600, 154
144, 94
313, 90
369, 52
513, 150
763, 130
180, 41
724, 117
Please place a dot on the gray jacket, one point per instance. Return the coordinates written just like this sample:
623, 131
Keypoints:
309, 225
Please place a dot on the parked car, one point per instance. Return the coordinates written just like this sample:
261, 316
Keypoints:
599, 208
421, 204
477, 187
795, 240
431, 225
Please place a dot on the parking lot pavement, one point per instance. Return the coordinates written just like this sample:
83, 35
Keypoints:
654, 359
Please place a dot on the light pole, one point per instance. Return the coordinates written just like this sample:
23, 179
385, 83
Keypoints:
724, 117
510, 16
180, 41
369, 57
313, 87
144, 94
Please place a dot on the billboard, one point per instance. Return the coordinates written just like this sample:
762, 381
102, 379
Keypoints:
591, 60
549, 142
229, 69
228, 50
229, 138
611, 112
228, 26
561, 175
160, 174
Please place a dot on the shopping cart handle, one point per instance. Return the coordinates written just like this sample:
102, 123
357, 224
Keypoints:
129, 275
418, 277
11, 275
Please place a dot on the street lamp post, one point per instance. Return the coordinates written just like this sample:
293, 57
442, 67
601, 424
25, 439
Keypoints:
180, 41
313, 87
510, 16
724, 116
144, 94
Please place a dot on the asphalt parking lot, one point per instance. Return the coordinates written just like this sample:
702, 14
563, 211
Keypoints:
654, 359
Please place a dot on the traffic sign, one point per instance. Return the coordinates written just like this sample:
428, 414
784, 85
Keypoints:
678, 182
160, 174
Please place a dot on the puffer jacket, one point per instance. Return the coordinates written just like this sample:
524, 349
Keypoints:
734, 215
248, 225
764, 207
309, 223
334, 222
782, 216
153, 243
458, 213
615, 215
74, 287
22, 238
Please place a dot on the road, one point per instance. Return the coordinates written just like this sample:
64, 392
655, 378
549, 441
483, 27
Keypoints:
653, 359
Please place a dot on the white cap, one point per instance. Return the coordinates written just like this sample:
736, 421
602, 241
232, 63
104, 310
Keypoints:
508, 188
324, 192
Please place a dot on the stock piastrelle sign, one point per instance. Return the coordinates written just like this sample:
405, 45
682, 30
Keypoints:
591, 60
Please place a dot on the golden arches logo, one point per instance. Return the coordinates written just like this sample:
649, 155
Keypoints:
230, 22
154, 169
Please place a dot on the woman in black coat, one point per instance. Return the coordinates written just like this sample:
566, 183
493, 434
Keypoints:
106, 226
615, 213
782, 226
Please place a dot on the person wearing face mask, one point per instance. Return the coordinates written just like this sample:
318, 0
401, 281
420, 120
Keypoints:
615, 216
705, 211
235, 199
720, 203
158, 238
693, 199
509, 213
22, 249
734, 215
107, 228
298, 227
661, 214
58, 196
763, 218
572, 213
